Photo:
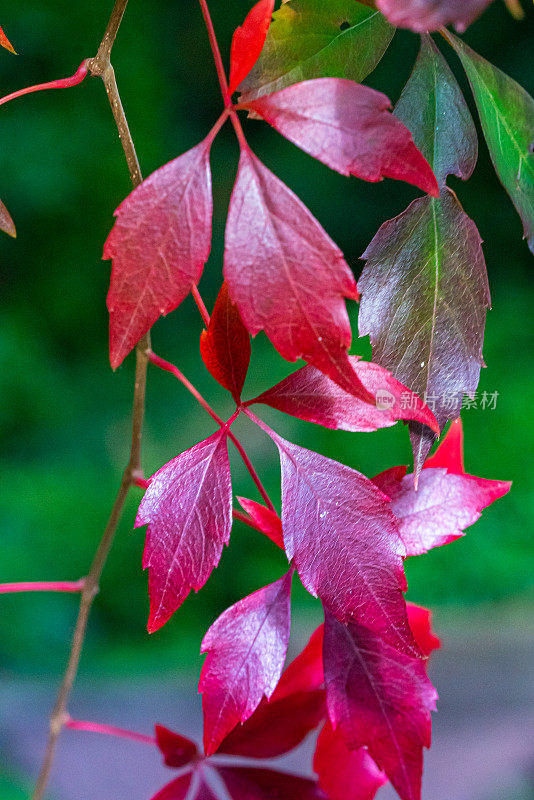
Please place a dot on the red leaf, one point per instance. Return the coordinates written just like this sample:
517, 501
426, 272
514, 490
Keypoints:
427, 15
246, 649
379, 699
249, 783
277, 726
310, 395
450, 451
387, 481
4, 41
295, 708
204, 792
287, 276
179, 789
349, 127
176, 790
159, 245
177, 750
248, 41
343, 540
344, 773
444, 503
265, 519
305, 673
225, 346
188, 509
6, 223
420, 620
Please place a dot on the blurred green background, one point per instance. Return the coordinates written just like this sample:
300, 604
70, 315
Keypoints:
65, 416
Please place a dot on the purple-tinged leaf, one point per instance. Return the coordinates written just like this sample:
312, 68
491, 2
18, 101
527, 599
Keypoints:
432, 106
441, 508
431, 15
188, 509
345, 773
312, 396
349, 128
249, 783
424, 299
287, 276
246, 648
176, 749
265, 519
159, 245
433, 109
380, 699
225, 345
344, 542
425, 289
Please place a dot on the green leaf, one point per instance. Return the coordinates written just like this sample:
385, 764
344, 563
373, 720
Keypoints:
433, 109
317, 39
506, 113
424, 298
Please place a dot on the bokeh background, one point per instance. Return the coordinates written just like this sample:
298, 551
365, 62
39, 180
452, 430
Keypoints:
65, 416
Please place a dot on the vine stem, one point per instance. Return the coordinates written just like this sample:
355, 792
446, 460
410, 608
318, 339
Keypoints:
222, 76
63, 83
108, 730
201, 306
101, 66
253, 474
43, 586
168, 367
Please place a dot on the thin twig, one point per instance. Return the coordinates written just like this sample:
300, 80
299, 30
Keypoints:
101, 66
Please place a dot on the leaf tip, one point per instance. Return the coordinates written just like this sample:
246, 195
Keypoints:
154, 624
9, 228
6, 223
6, 44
